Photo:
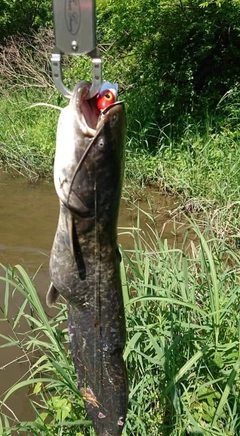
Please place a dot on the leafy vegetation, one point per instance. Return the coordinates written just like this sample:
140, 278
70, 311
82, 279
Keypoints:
177, 65
182, 352
20, 16
173, 66
178, 72
27, 136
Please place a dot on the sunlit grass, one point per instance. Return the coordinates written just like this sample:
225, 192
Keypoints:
200, 167
182, 351
27, 135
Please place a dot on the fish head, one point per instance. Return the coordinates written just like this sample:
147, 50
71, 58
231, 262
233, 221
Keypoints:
89, 158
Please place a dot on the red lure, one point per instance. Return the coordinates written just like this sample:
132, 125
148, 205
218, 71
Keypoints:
105, 99
107, 95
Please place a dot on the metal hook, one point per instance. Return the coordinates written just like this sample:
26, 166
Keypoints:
75, 34
57, 75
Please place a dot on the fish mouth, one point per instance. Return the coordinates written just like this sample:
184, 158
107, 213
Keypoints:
90, 118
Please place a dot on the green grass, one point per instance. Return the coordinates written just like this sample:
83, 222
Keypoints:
27, 135
182, 351
50, 375
184, 339
201, 167
204, 167
196, 159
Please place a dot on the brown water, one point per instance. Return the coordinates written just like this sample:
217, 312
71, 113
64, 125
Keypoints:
28, 219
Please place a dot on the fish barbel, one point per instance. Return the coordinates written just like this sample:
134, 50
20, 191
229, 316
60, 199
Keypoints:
85, 260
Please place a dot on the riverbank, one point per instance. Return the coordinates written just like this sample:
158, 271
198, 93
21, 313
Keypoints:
182, 348
201, 167
178, 72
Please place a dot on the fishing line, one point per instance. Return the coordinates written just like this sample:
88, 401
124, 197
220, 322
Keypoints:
97, 289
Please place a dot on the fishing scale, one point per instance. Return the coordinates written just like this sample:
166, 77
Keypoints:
75, 34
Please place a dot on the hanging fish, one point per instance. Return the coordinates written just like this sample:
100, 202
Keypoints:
85, 260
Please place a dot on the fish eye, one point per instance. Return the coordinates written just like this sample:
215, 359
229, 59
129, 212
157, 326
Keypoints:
108, 96
100, 143
113, 119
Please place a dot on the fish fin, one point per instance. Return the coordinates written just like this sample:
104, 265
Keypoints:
74, 246
52, 295
78, 206
69, 233
78, 254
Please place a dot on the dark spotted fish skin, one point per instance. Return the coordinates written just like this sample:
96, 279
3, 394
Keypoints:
85, 264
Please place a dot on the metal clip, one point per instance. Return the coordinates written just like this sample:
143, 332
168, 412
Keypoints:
97, 77
75, 34
57, 73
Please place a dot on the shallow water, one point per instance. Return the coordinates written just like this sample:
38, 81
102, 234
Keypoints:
28, 219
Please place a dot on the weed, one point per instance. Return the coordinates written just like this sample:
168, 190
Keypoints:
182, 352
